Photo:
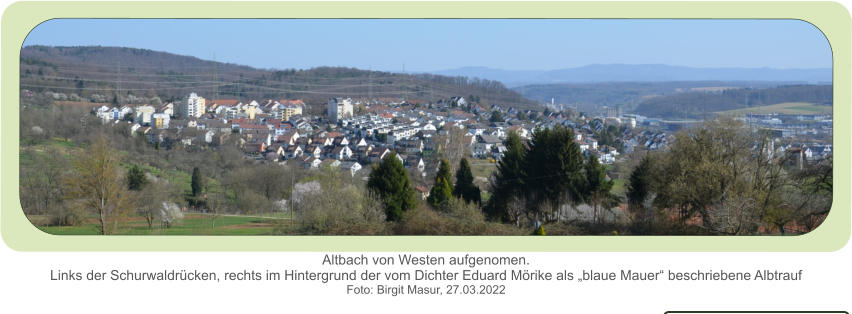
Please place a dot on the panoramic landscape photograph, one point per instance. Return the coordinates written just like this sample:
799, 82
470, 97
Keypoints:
382, 127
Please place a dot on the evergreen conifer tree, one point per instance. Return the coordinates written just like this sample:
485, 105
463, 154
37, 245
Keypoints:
390, 182
597, 186
442, 191
554, 170
197, 182
509, 179
639, 185
136, 178
465, 188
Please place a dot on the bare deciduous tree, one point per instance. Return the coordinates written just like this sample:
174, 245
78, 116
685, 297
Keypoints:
96, 185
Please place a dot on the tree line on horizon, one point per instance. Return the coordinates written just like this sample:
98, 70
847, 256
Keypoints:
703, 104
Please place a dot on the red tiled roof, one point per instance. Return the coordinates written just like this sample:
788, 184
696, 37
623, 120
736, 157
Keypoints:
253, 126
255, 147
226, 102
242, 121
292, 102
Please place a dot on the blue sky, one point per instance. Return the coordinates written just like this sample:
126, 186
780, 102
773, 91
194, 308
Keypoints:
432, 45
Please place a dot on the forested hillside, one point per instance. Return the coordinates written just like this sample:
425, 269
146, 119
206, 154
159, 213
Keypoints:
588, 96
86, 71
700, 104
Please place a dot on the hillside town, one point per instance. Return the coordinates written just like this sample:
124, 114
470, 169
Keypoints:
349, 139
278, 131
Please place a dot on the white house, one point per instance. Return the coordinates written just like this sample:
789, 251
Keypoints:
311, 162
340, 141
313, 150
144, 114
331, 163
360, 142
352, 166
168, 109
208, 136
290, 137
593, 144
415, 162
340, 153
134, 127
104, 113
124, 111
480, 150
292, 151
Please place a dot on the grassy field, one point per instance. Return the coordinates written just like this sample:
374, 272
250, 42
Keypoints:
618, 187
482, 168
192, 224
783, 108
30, 156
43, 148
44, 153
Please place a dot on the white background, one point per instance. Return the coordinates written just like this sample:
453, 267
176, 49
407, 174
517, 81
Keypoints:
25, 284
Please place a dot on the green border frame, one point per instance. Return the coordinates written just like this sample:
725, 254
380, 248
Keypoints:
18, 233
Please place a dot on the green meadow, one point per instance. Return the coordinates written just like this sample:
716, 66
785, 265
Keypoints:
783, 108
191, 224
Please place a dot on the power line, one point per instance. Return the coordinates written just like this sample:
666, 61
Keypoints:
370, 84
263, 72
125, 81
202, 81
245, 82
118, 89
320, 92
215, 76
108, 88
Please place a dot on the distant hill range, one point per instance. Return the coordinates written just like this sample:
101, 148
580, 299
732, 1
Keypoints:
141, 72
641, 73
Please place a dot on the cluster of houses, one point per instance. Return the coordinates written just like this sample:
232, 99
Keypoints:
348, 139
278, 130
272, 130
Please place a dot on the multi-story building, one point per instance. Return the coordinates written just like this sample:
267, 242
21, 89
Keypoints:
144, 114
161, 120
339, 109
194, 106
168, 109
289, 108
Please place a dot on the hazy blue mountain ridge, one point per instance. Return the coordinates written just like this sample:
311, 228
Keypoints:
641, 73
